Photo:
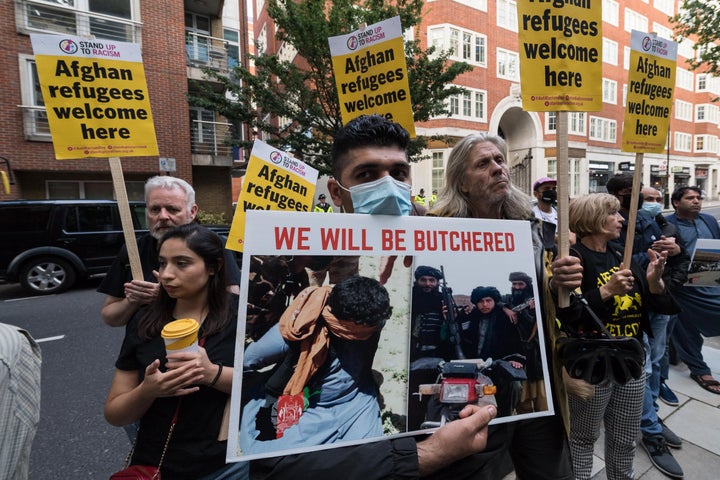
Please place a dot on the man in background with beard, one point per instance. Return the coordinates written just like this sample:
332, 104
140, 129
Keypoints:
520, 308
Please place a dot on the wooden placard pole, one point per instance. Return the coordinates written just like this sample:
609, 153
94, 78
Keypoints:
563, 197
126, 218
632, 215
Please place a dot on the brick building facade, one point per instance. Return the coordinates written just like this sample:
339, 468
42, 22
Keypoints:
178, 38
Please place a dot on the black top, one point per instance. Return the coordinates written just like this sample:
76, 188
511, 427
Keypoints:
194, 450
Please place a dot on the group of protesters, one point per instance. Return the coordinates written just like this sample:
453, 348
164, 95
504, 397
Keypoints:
177, 404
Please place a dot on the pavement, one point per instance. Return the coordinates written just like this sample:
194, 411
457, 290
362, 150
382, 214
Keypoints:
696, 420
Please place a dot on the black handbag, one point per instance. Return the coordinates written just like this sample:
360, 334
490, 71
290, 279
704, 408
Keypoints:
600, 357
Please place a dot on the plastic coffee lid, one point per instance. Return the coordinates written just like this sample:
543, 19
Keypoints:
180, 328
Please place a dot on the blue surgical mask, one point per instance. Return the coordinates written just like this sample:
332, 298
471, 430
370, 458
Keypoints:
653, 208
384, 196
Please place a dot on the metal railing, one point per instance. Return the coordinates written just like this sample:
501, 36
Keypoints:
35, 123
35, 16
209, 138
205, 51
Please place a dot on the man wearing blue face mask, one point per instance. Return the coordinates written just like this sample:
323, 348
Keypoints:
371, 175
371, 172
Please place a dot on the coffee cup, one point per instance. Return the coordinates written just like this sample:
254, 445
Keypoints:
181, 336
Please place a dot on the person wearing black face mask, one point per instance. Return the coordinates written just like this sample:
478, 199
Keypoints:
545, 191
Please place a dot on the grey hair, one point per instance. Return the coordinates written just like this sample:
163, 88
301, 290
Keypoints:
453, 202
169, 183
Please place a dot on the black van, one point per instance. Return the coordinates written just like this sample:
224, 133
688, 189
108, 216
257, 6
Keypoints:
46, 245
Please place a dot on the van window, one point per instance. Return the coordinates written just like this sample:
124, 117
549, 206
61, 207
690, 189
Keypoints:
24, 218
138, 211
91, 218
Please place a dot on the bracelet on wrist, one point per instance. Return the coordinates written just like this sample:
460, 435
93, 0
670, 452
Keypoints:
217, 376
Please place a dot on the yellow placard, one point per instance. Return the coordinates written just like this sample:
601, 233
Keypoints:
371, 73
651, 81
274, 181
560, 55
96, 97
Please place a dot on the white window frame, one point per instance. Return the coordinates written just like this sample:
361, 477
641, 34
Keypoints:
701, 82
684, 79
683, 142
609, 91
507, 15
603, 129
83, 20
683, 110
512, 59
685, 48
665, 6
476, 4
635, 21
460, 104
443, 36
35, 123
611, 12
610, 51
261, 41
577, 123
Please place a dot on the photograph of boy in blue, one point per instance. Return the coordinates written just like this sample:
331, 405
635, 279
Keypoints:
322, 388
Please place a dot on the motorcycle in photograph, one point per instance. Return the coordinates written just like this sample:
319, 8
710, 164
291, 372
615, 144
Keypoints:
463, 382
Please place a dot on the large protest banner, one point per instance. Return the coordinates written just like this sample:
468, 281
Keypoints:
96, 97
274, 180
560, 55
371, 73
653, 61
289, 251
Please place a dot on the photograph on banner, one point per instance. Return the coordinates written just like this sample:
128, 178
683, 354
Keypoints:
330, 356
560, 55
651, 81
274, 180
371, 73
96, 97
705, 266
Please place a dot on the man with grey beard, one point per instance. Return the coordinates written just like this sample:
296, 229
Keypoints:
170, 201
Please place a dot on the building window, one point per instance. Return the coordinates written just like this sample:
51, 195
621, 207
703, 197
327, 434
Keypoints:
261, 42
663, 31
550, 122
438, 169
665, 6
476, 4
464, 45
197, 37
683, 142
470, 105
103, 19
232, 42
603, 129
683, 110
635, 21
624, 102
35, 121
684, 79
685, 48
507, 65
610, 51
610, 12
507, 15
576, 123
706, 143
701, 82
700, 113
609, 91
